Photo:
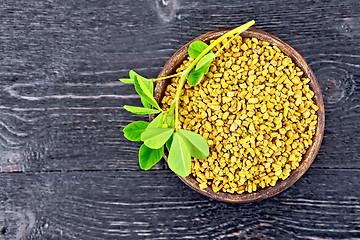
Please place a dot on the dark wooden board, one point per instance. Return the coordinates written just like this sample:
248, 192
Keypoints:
156, 204
67, 172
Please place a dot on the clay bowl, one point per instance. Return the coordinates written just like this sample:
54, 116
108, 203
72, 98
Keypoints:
312, 151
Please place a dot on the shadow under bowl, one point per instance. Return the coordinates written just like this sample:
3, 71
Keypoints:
175, 61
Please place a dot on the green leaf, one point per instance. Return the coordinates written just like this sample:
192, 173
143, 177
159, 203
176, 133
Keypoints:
156, 137
141, 110
144, 92
156, 122
170, 120
198, 146
126, 80
169, 142
134, 130
149, 157
195, 76
148, 83
204, 60
145, 103
179, 156
196, 48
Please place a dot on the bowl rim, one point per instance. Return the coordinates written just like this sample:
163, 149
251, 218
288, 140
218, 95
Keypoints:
177, 58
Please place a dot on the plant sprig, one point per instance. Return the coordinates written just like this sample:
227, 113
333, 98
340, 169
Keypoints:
165, 130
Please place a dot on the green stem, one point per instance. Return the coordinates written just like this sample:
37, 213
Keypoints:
166, 77
184, 75
227, 43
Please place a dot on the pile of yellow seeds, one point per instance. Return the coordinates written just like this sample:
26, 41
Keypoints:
256, 111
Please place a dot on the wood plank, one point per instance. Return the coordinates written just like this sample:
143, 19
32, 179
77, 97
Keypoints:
157, 205
60, 100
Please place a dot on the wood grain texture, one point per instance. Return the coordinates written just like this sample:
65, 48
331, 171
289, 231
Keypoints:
67, 172
113, 205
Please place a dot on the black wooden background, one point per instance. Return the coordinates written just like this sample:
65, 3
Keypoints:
66, 170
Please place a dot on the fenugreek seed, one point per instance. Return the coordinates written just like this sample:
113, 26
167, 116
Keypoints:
218, 75
235, 67
226, 99
244, 47
277, 49
228, 64
315, 107
233, 127
237, 122
225, 115
219, 123
232, 139
237, 54
271, 69
203, 185
306, 114
213, 68
243, 85
230, 94
253, 100
273, 62
203, 115
269, 105
264, 72
252, 78
251, 127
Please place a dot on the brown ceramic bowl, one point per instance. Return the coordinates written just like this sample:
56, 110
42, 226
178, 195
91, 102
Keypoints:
312, 151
